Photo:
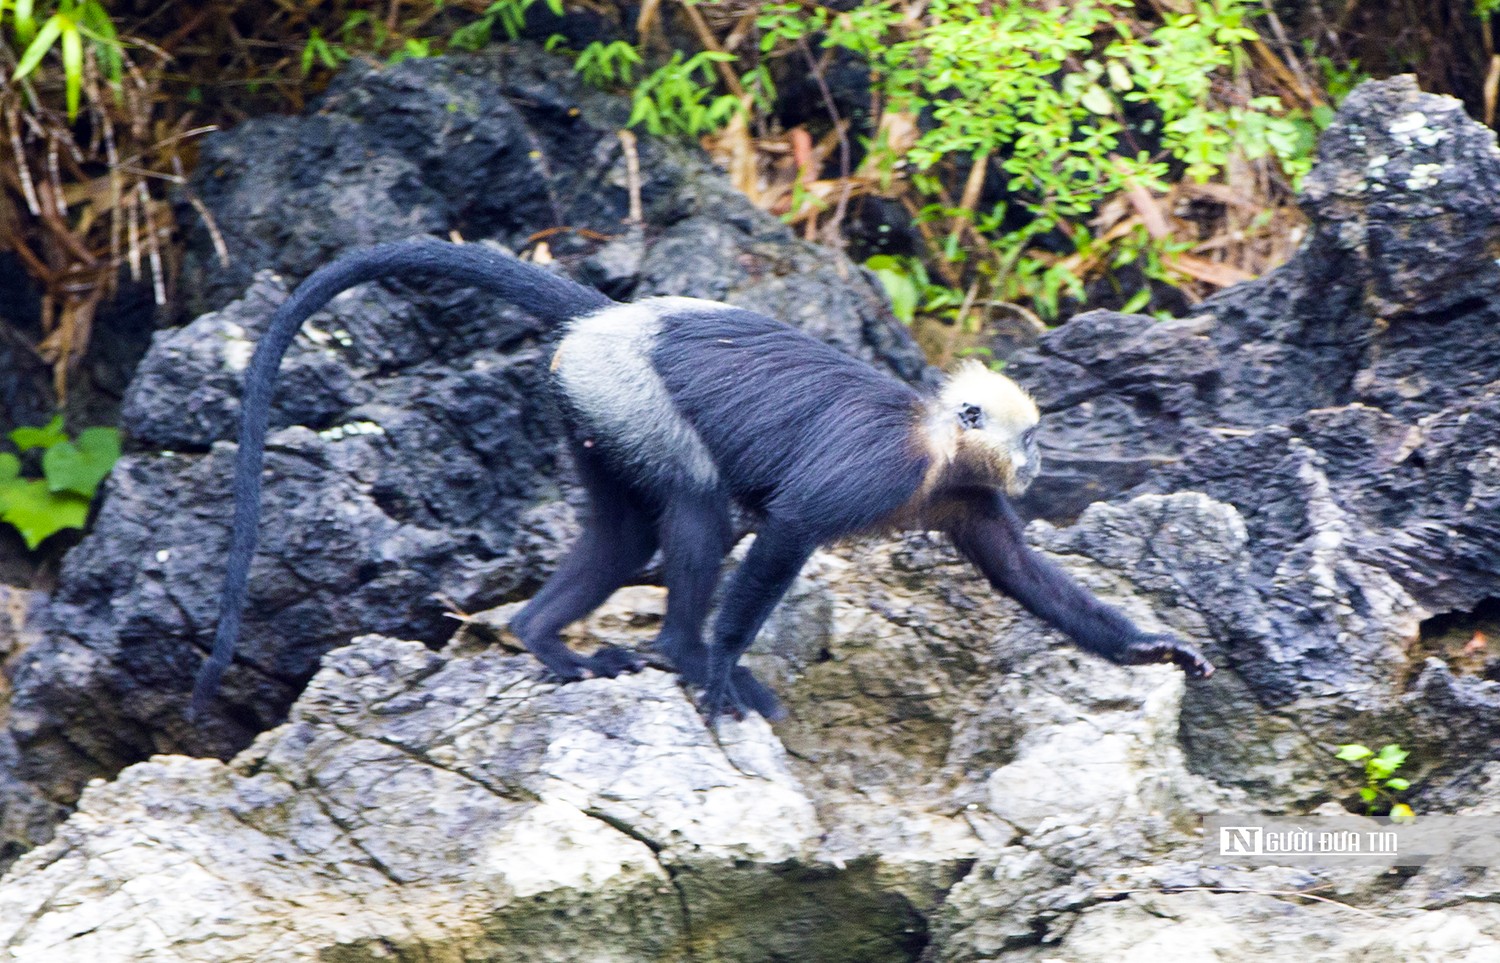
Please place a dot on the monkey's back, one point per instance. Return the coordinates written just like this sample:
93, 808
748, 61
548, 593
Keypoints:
795, 427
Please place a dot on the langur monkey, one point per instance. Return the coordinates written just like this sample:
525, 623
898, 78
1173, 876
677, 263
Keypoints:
678, 407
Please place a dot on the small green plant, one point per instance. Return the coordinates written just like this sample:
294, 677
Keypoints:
510, 14
71, 473
1381, 781
320, 51
71, 23
605, 64
362, 33
678, 97
1340, 80
907, 284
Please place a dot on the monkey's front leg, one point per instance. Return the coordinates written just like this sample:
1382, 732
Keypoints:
989, 533
757, 585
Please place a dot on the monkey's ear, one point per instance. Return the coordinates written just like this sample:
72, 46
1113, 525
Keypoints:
971, 416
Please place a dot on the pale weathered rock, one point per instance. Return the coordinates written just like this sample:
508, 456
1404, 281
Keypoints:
954, 783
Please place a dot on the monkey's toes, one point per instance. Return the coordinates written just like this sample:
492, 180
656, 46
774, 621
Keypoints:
564, 672
611, 661
748, 691
720, 699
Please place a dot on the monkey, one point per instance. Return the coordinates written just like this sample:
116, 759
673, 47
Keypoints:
676, 408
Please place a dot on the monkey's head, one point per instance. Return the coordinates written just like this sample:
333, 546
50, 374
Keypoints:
995, 423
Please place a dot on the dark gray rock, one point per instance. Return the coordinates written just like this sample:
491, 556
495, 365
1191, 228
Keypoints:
1389, 303
1348, 405
413, 465
27, 817
26, 388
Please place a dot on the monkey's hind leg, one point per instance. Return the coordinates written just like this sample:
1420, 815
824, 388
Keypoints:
757, 585
695, 535
617, 541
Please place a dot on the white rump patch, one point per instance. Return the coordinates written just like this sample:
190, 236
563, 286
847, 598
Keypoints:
604, 367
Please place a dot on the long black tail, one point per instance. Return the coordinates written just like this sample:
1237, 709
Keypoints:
528, 287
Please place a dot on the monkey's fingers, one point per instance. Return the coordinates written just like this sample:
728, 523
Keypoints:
1164, 648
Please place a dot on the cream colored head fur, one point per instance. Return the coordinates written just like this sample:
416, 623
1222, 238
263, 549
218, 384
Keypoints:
981, 427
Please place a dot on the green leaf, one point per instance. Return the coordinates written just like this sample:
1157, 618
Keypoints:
1097, 100
97, 26
38, 513
10, 467
80, 466
1353, 752
72, 57
38, 48
1392, 754
899, 285
1368, 794
44, 437
1398, 784
25, 23
1137, 301
309, 51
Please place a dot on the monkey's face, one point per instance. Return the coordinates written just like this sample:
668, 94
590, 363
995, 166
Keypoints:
996, 427
1006, 453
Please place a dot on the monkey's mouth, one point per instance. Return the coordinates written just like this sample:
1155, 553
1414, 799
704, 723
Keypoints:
1016, 485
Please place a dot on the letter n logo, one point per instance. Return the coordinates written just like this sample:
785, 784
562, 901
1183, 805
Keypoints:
1240, 841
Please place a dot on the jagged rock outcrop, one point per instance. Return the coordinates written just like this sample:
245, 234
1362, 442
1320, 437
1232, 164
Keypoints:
954, 783
26, 814
1348, 405
1390, 303
466, 808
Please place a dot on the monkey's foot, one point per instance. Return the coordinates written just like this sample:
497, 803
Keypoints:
1164, 648
738, 694
748, 691
611, 661
608, 662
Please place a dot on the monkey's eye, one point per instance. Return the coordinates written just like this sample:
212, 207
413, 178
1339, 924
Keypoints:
1029, 435
971, 416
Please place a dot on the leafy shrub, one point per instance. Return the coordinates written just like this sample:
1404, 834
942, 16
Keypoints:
1076, 103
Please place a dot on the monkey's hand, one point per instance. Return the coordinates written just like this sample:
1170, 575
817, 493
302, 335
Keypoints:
1152, 649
